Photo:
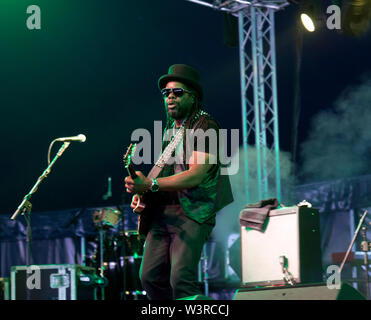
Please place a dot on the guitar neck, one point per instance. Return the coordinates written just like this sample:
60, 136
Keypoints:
131, 171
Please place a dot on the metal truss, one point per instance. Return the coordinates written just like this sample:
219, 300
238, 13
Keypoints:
258, 89
234, 6
259, 96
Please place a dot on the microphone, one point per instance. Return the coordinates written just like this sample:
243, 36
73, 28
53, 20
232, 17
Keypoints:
80, 137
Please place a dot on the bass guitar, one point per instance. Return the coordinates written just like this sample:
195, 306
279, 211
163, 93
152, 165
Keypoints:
138, 202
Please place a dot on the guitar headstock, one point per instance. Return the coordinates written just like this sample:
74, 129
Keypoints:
129, 154
127, 160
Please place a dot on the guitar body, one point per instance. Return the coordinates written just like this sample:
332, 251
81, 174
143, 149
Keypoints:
144, 213
144, 224
143, 204
138, 201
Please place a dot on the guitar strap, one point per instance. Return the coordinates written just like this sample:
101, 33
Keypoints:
165, 156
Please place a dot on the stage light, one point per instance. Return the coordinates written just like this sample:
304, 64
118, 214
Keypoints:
307, 22
311, 14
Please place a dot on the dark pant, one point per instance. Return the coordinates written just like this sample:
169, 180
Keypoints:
171, 254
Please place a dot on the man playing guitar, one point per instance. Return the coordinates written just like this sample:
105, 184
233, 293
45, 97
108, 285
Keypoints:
186, 195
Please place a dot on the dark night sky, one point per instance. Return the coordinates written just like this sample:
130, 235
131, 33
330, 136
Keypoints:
93, 69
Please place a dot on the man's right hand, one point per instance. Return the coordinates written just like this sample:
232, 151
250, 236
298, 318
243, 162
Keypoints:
134, 201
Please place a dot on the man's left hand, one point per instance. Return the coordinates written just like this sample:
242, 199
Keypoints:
139, 185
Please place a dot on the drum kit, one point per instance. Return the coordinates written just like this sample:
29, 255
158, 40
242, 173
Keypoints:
117, 257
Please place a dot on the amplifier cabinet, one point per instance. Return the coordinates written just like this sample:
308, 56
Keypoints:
292, 232
52, 282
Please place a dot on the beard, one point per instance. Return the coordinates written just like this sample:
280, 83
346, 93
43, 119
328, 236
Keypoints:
176, 114
179, 112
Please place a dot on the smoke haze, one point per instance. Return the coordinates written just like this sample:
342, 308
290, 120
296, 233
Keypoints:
339, 143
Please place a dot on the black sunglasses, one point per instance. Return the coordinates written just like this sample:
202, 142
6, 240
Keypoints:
178, 92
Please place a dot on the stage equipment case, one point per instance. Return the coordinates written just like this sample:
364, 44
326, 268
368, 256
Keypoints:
4, 289
52, 282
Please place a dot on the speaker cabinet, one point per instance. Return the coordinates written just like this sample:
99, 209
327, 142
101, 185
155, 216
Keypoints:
300, 292
292, 232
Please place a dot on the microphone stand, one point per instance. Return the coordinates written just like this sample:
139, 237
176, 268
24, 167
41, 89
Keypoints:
25, 206
352, 242
365, 245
